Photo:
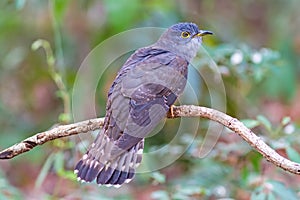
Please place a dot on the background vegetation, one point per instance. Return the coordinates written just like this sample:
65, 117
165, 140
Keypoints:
256, 46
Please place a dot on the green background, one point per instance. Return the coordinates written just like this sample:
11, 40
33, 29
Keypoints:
264, 94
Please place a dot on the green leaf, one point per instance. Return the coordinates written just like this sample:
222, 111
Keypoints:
59, 9
67, 174
64, 117
190, 190
255, 160
59, 161
244, 174
265, 122
160, 195
8, 191
250, 123
293, 154
285, 121
159, 177
20, 4
258, 75
282, 191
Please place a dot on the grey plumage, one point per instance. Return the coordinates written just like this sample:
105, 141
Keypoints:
141, 95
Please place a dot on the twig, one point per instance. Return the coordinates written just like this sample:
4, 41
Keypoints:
239, 128
52, 134
178, 111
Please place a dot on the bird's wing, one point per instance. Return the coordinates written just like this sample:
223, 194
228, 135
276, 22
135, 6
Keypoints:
151, 86
144, 89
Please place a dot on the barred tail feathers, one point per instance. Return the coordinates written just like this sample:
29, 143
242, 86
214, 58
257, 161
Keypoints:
97, 163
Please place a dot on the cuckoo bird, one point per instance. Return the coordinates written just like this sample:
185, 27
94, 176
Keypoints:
141, 95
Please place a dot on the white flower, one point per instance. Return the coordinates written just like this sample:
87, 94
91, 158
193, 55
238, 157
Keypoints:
237, 58
289, 129
220, 191
256, 58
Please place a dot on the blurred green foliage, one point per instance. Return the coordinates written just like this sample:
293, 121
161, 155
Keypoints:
256, 47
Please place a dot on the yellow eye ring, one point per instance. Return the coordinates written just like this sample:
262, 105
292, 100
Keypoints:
185, 34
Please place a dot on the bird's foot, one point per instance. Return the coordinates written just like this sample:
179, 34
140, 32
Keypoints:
171, 112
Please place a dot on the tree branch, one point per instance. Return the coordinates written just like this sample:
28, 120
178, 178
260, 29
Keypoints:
52, 134
178, 111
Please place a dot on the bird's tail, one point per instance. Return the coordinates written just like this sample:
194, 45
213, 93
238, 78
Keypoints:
99, 164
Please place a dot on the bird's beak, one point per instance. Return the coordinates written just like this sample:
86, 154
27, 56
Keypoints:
203, 33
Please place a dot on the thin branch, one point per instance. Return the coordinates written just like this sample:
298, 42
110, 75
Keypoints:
240, 129
178, 111
52, 134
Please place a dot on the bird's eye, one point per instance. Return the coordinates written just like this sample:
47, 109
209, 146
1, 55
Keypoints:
185, 34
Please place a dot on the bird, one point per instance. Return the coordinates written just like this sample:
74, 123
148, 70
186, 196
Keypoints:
143, 92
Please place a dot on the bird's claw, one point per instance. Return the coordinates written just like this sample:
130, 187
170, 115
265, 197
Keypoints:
171, 112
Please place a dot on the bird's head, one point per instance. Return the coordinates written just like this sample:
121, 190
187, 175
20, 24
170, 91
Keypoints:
184, 33
183, 38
